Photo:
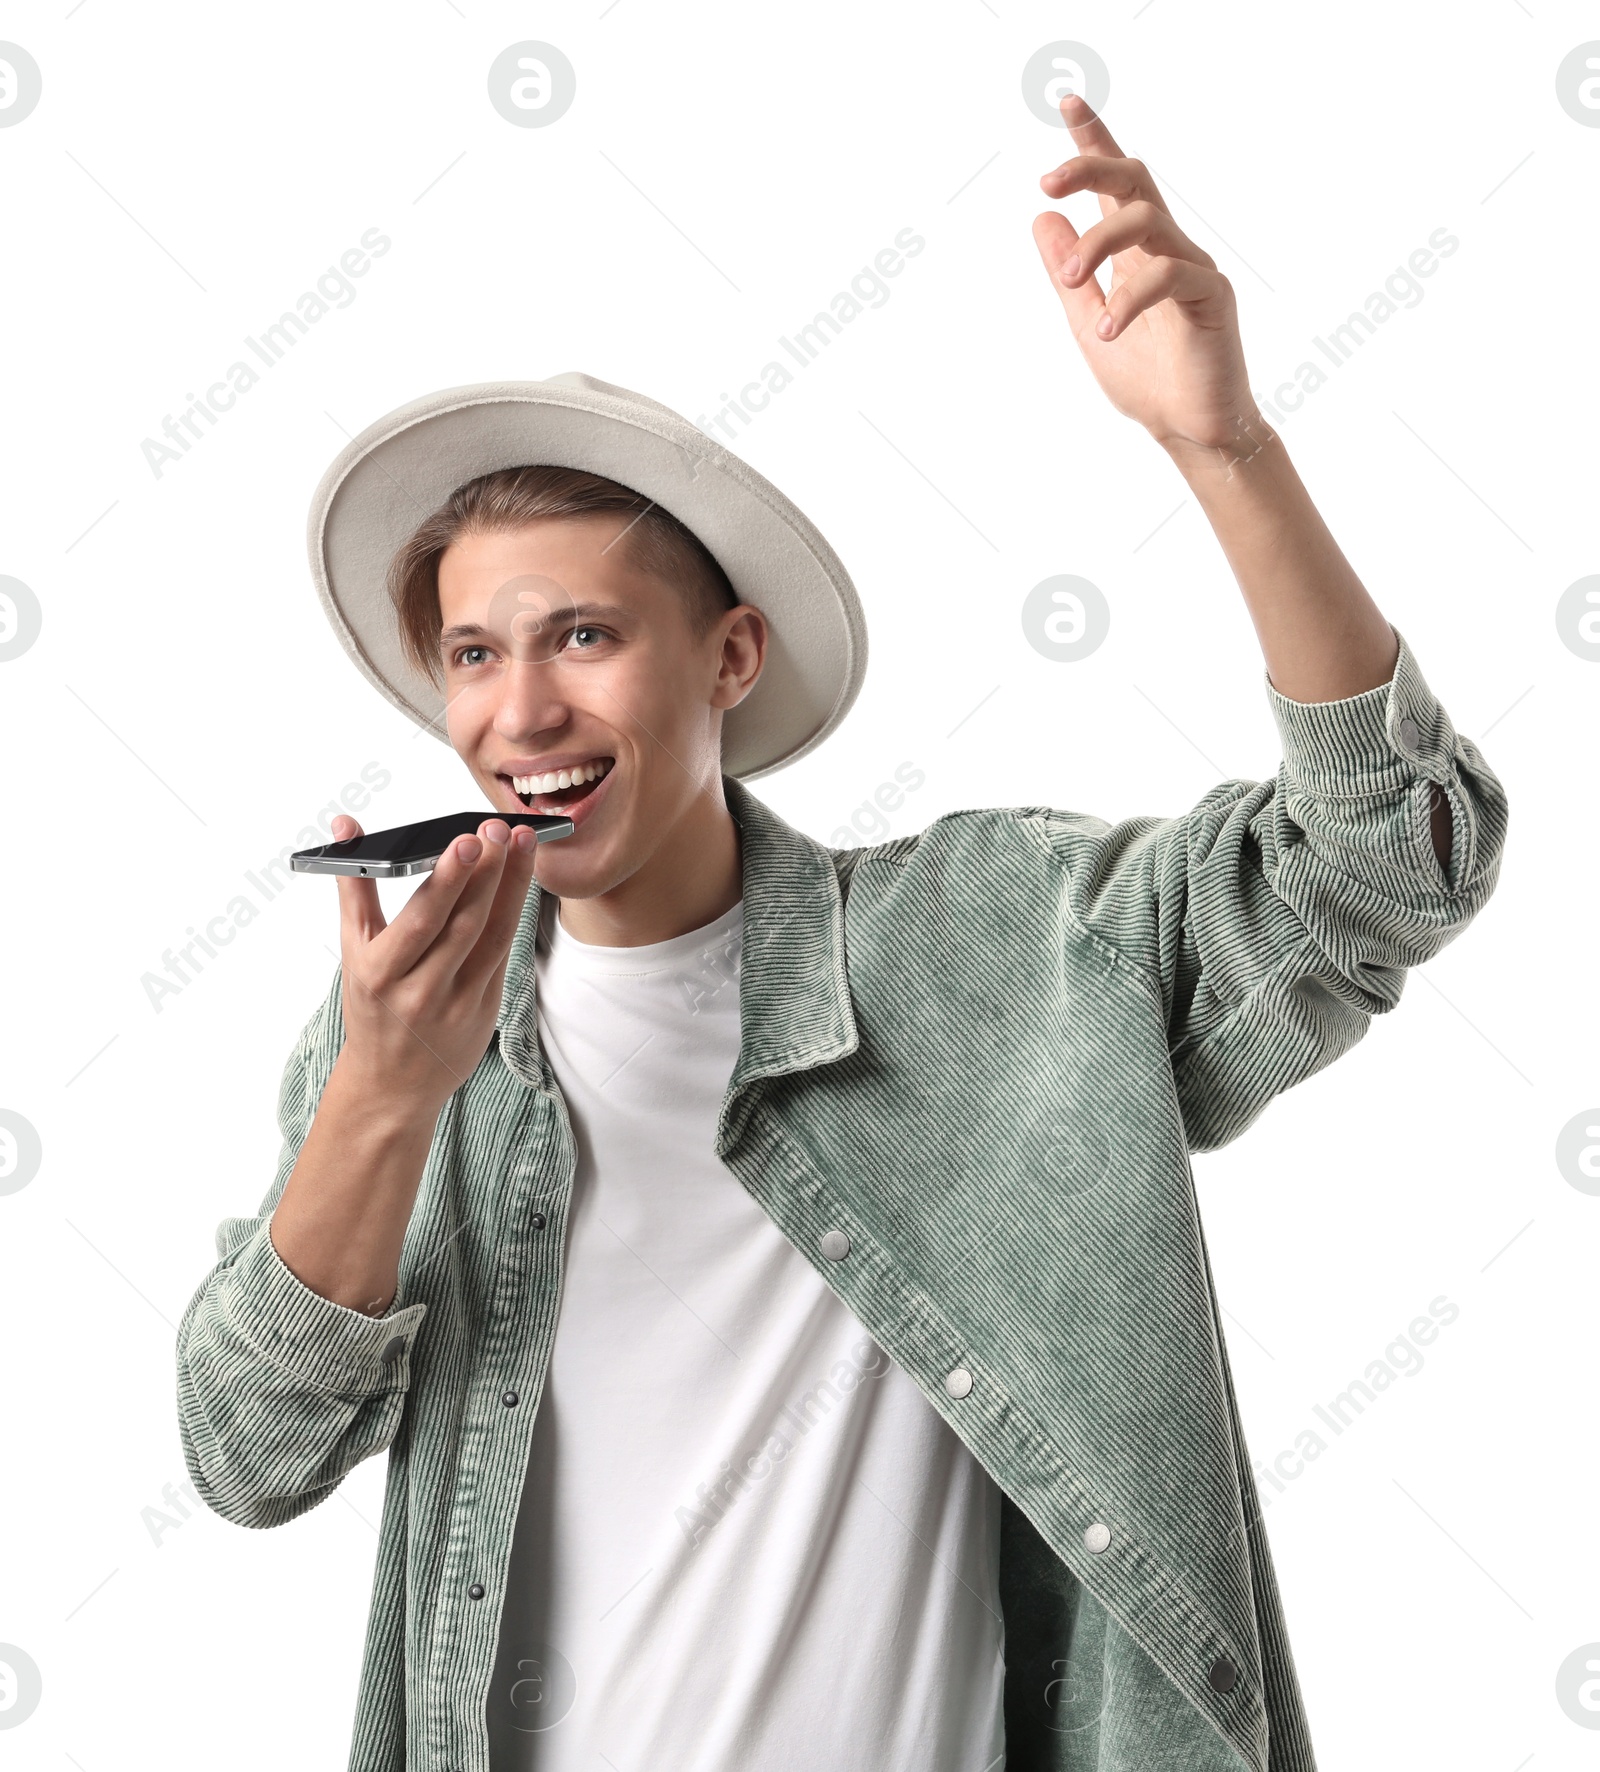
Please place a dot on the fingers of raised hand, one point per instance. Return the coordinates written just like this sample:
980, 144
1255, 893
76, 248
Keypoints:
1110, 176
1141, 224
1205, 294
1086, 126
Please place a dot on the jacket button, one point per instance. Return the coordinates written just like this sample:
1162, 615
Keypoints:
393, 1348
1097, 1536
1224, 1676
959, 1382
510, 1399
475, 1592
835, 1245
1410, 734
537, 1221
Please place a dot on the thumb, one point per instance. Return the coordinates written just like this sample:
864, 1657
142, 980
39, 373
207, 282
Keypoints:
1057, 240
360, 915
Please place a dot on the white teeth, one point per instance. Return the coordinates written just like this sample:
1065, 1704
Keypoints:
560, 778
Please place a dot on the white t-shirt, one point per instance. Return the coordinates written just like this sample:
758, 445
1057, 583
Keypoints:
746, 1541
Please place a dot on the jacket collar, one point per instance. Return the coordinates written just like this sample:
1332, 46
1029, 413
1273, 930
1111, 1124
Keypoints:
794, 993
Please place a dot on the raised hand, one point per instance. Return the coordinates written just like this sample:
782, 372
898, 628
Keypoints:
1164, 342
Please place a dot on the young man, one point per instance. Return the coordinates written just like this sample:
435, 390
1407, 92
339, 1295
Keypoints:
775, 1270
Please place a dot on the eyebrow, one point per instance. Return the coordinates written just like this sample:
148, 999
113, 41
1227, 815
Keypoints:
576, 612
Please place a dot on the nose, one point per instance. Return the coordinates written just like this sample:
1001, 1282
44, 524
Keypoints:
531, 700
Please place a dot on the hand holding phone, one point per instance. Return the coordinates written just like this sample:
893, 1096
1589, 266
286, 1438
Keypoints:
422, 994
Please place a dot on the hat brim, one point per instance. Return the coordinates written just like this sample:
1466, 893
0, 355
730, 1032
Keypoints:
403, 467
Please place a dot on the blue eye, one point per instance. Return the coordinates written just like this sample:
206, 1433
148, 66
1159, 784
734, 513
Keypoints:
463, 654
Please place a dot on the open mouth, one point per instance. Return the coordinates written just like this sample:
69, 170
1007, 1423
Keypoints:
561, 799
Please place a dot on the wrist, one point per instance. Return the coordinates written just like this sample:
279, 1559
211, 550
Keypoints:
368, 1098
1236, 445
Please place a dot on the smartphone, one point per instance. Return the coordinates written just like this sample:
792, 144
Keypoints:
415, 848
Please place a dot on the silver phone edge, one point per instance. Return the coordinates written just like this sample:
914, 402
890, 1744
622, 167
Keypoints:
399, 870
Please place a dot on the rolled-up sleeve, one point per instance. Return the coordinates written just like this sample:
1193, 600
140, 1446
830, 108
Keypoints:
281, 1391
1278, 917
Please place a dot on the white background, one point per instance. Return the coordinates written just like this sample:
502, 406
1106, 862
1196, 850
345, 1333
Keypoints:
724, 171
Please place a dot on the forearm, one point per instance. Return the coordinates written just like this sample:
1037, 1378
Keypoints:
342, 1218
1163, 343
1323, 637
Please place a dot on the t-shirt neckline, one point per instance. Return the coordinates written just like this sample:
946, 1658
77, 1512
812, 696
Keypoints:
651, 956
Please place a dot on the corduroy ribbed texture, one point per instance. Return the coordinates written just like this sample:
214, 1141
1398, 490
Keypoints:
984, 1052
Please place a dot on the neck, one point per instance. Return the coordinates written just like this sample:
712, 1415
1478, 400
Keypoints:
695, 876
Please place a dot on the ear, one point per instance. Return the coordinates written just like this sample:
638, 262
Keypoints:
744, 655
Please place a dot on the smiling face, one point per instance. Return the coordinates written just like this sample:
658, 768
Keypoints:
557, 652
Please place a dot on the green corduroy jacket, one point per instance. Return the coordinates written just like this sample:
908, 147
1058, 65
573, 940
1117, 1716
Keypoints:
983, 1051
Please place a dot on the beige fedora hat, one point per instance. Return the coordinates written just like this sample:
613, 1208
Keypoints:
403, 467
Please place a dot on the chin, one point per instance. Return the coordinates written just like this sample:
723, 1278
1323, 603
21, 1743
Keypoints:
581, 885
574, 875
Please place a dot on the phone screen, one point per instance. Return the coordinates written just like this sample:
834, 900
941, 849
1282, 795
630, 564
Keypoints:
424, 841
